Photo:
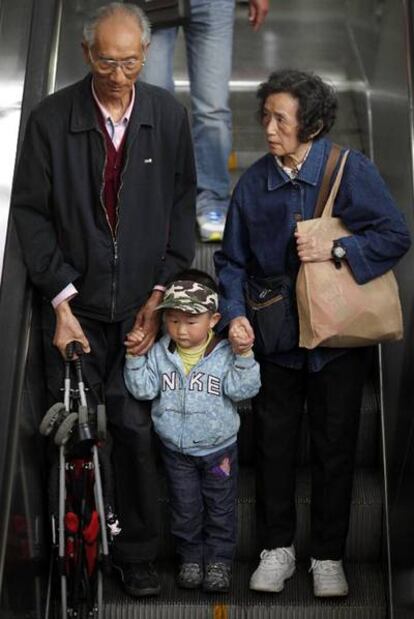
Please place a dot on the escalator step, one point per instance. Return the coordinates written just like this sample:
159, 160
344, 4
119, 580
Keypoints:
365, 601
204, 257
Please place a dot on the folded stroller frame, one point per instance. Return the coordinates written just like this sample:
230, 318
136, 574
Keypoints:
83, 522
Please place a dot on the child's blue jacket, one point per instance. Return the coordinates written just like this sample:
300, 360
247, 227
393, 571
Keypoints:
194, 414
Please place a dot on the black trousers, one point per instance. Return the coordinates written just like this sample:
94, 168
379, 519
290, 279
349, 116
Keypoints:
333, 398
129, 421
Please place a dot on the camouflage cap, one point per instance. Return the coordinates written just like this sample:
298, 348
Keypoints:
190, 297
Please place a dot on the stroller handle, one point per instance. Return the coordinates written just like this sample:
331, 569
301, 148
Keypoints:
72, 348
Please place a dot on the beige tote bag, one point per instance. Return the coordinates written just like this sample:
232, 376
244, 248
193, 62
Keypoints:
334, 310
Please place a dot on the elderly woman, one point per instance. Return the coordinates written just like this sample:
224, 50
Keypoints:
296, 111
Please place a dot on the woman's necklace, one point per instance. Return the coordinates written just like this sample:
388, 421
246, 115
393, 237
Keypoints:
297, 163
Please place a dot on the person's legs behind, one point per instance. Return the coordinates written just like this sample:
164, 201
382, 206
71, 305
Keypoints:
158, 64
209, 41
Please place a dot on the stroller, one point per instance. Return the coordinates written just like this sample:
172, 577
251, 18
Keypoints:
80, 493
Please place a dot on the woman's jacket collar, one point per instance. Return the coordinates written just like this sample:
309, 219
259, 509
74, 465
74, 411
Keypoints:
310, 171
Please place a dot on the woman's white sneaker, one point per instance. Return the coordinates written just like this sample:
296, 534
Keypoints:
329, 579
276, 566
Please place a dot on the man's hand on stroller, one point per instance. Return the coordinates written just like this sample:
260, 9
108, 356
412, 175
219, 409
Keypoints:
68, 330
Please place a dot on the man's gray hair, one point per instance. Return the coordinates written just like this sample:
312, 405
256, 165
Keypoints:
108, 10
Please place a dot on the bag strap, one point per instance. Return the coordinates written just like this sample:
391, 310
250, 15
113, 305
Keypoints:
326, 181
327, 211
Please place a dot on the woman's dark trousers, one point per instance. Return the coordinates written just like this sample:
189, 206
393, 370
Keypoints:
333, 397
135, 473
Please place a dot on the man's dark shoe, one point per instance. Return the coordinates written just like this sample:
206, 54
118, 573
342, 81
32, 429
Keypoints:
139, 579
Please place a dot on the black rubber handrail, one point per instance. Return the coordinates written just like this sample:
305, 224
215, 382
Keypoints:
15, 292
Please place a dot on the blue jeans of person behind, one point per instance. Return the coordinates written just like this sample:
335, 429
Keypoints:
202, 494
209, 41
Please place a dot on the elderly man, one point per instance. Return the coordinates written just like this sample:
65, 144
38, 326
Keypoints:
104, 207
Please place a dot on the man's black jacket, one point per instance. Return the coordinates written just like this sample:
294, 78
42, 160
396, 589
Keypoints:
58, 206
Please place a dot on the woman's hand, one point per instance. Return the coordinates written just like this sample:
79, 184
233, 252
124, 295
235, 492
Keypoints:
241, 336
147, 323
312, 249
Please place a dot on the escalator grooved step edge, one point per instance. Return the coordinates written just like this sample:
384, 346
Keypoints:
203, 259
366, 599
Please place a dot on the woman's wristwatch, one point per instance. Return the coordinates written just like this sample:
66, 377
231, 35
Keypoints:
338, 253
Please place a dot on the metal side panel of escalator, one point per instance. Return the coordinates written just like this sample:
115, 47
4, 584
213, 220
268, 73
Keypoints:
27, 38
383, 38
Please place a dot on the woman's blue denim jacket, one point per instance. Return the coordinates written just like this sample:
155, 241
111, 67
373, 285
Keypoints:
264, 209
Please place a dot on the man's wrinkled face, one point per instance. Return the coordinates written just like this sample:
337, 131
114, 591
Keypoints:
116, 57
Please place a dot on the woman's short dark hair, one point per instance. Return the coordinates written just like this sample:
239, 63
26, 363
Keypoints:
317, 100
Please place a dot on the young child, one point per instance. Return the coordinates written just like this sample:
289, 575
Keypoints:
195, 379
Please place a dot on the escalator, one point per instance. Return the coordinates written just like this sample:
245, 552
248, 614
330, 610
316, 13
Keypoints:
361, 50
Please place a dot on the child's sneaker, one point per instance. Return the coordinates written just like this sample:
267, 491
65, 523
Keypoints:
275, 567
190, 576
217, 578
328, 578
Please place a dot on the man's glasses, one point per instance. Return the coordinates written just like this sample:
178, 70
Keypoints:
106, 66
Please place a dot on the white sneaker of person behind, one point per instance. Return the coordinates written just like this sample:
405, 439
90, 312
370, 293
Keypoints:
211, 222
276, 566
329, 579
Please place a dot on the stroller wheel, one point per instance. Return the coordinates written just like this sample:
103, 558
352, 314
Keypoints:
63, 433
48, 422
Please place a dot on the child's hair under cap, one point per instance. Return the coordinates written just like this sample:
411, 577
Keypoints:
189, 296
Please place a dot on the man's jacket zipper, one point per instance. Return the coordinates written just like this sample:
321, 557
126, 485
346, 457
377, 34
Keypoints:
113, 232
